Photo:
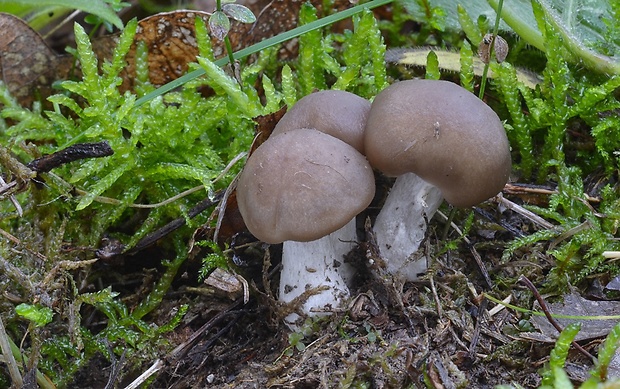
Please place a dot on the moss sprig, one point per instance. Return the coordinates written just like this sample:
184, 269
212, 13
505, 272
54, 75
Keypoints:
363, 58
519, 133
310, 56
466, 60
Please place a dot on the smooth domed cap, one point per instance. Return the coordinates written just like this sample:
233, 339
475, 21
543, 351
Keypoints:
302, 185
444, 134
337, 113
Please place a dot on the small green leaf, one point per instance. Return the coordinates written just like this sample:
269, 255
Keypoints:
219, 25
40, 316
239, 12
432, 66
95, 7
103, 296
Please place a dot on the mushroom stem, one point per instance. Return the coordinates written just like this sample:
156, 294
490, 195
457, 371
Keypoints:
401, 225
318, 263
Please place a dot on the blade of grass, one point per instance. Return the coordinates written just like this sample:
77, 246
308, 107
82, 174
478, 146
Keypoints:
95, 7
263, 45
485, 72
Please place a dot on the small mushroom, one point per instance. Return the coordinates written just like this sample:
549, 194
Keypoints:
337, 113
441, 141
304, 188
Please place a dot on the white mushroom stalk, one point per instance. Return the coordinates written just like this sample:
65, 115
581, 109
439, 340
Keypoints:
447, 137
303, 187
401, 225
317, 264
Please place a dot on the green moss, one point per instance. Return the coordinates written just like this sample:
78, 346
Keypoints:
171, 143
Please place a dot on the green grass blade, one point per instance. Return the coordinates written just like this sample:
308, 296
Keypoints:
95, 7
265, 44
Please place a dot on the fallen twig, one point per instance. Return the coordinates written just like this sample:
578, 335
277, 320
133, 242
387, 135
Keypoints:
543, 306
181, 350
9, 359
523, 212
70, 154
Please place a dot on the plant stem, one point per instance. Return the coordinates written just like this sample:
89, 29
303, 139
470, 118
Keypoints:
227, 44
498, 17
231, 59
523, 29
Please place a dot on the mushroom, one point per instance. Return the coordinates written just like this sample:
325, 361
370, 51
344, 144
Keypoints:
337, 113
441, 141
304, 188
342, 115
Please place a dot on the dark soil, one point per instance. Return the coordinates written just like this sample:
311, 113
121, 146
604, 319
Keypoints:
438, 331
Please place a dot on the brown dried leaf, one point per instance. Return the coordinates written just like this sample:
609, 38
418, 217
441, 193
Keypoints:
576, 305
265, 125
27, 65
30, 67
232, 222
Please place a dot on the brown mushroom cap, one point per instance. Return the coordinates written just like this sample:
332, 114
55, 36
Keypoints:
442, 133
337, 113
302, 185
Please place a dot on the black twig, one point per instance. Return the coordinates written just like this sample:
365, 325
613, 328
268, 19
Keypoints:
173, 225
70, 154
482, 308
117, 365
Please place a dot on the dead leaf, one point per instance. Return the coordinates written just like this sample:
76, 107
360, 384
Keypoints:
171, 42
27, 65
225, 283
575, 305
232, 222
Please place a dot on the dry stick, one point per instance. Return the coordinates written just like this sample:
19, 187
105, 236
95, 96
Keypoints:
9, 359
523, 212
436, 297
476, 336
46, 163
16, 204
6, 187
19, 243
481, 266
518, 188
112, 201
173, 225
70, 154
543, 306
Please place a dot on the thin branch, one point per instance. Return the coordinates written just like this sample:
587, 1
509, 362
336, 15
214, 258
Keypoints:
9, 358
543, 306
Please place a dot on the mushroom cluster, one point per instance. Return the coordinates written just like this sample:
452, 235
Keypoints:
303, 187
307, 182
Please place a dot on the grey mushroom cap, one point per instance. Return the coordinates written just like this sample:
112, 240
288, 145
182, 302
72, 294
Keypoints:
337, 113
444, 134
302, 185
